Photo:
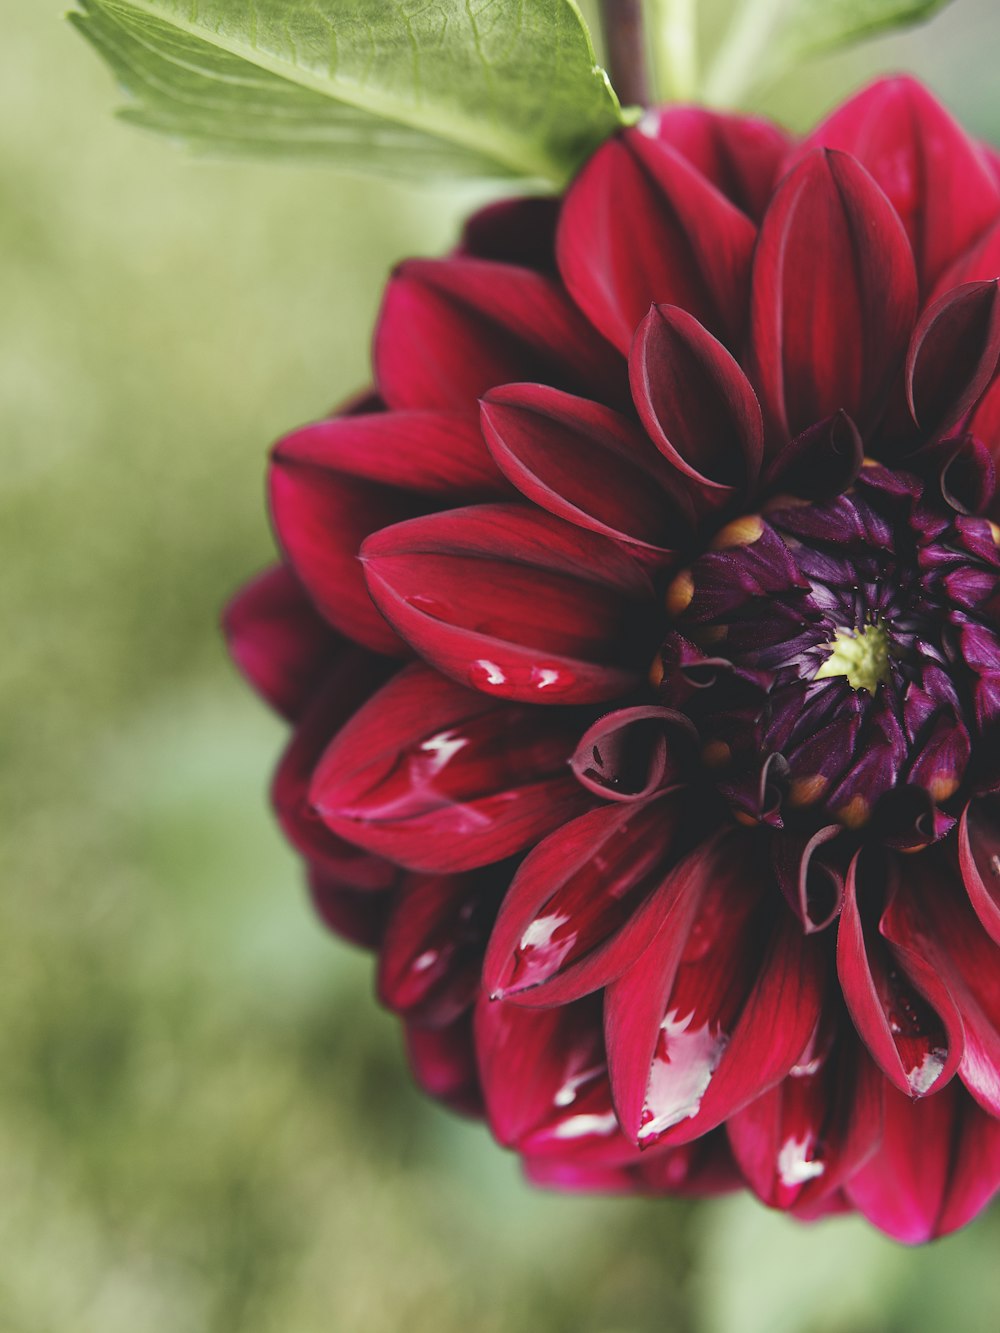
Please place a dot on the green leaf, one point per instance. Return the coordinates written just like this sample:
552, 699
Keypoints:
814, 26
419, 88
767, 37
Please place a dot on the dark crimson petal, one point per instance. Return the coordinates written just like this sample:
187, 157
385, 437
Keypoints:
432, 953
353, 678
902, 1011
514, 231
741, 155
979, 856
355, 915
585, 463
690, 1027
953, 356
639, 225
695, 401
966, 470
443, 1061
511, 601
799, 1142
450, 329
698, 1170
936, 177
820, 463
576, 913
833, 296
435, 453
938, 1167
321, 518
443, 779
570, 1176
538, 1065
809, 877
277, 639
631, 753
938, 925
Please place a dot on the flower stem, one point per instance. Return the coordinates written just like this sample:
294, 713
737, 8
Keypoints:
625, 44
674, 39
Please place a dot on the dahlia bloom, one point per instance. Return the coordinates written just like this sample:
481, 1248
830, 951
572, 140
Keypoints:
640, 634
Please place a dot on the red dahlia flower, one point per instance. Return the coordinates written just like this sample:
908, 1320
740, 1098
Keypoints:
641, 637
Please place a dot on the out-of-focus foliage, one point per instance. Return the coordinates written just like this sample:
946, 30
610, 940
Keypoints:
206, 1125
449, 89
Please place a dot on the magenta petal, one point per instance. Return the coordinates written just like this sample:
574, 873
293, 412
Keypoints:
741, 155
512, 601
450, 329
574, 916
641, 225
979, 855
435, 453
833, 296
974, 1178
321, 518
903, 1013
432, 952
631, 753
953, 356
277, 639
585, 463
443, 779
443, 1061
695, 401
936, 177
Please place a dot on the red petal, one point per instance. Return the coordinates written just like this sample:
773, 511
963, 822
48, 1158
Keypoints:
432, 953
585, 463
641, 225
741, 155
974, 1177
631, 753
321, 519
903, 1013
936, 177
575, 914
695, 402
444, 779
450, 329
979, 855
511, 601
443, 1061
352, 680
514, 231
277, 640
833, 296
953, 357
690, 1026
435, 453
355, 915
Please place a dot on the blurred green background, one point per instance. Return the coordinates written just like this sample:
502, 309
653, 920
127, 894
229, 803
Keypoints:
205, 1122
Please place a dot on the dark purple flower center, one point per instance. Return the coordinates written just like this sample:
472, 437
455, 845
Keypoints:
839, 659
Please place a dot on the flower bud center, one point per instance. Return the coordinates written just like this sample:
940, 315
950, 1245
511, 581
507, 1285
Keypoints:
862, 655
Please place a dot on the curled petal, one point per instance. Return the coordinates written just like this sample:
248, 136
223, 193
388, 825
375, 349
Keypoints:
631, 753
277, 639
820, 463
442, 779
686, 244
512, 601
583, 904
584, 463
443, 1061
450, 329
979, 856
904, 1014
434, 453
695, 401
812, 882
953, 356
936, 177
432, 952
833, 297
